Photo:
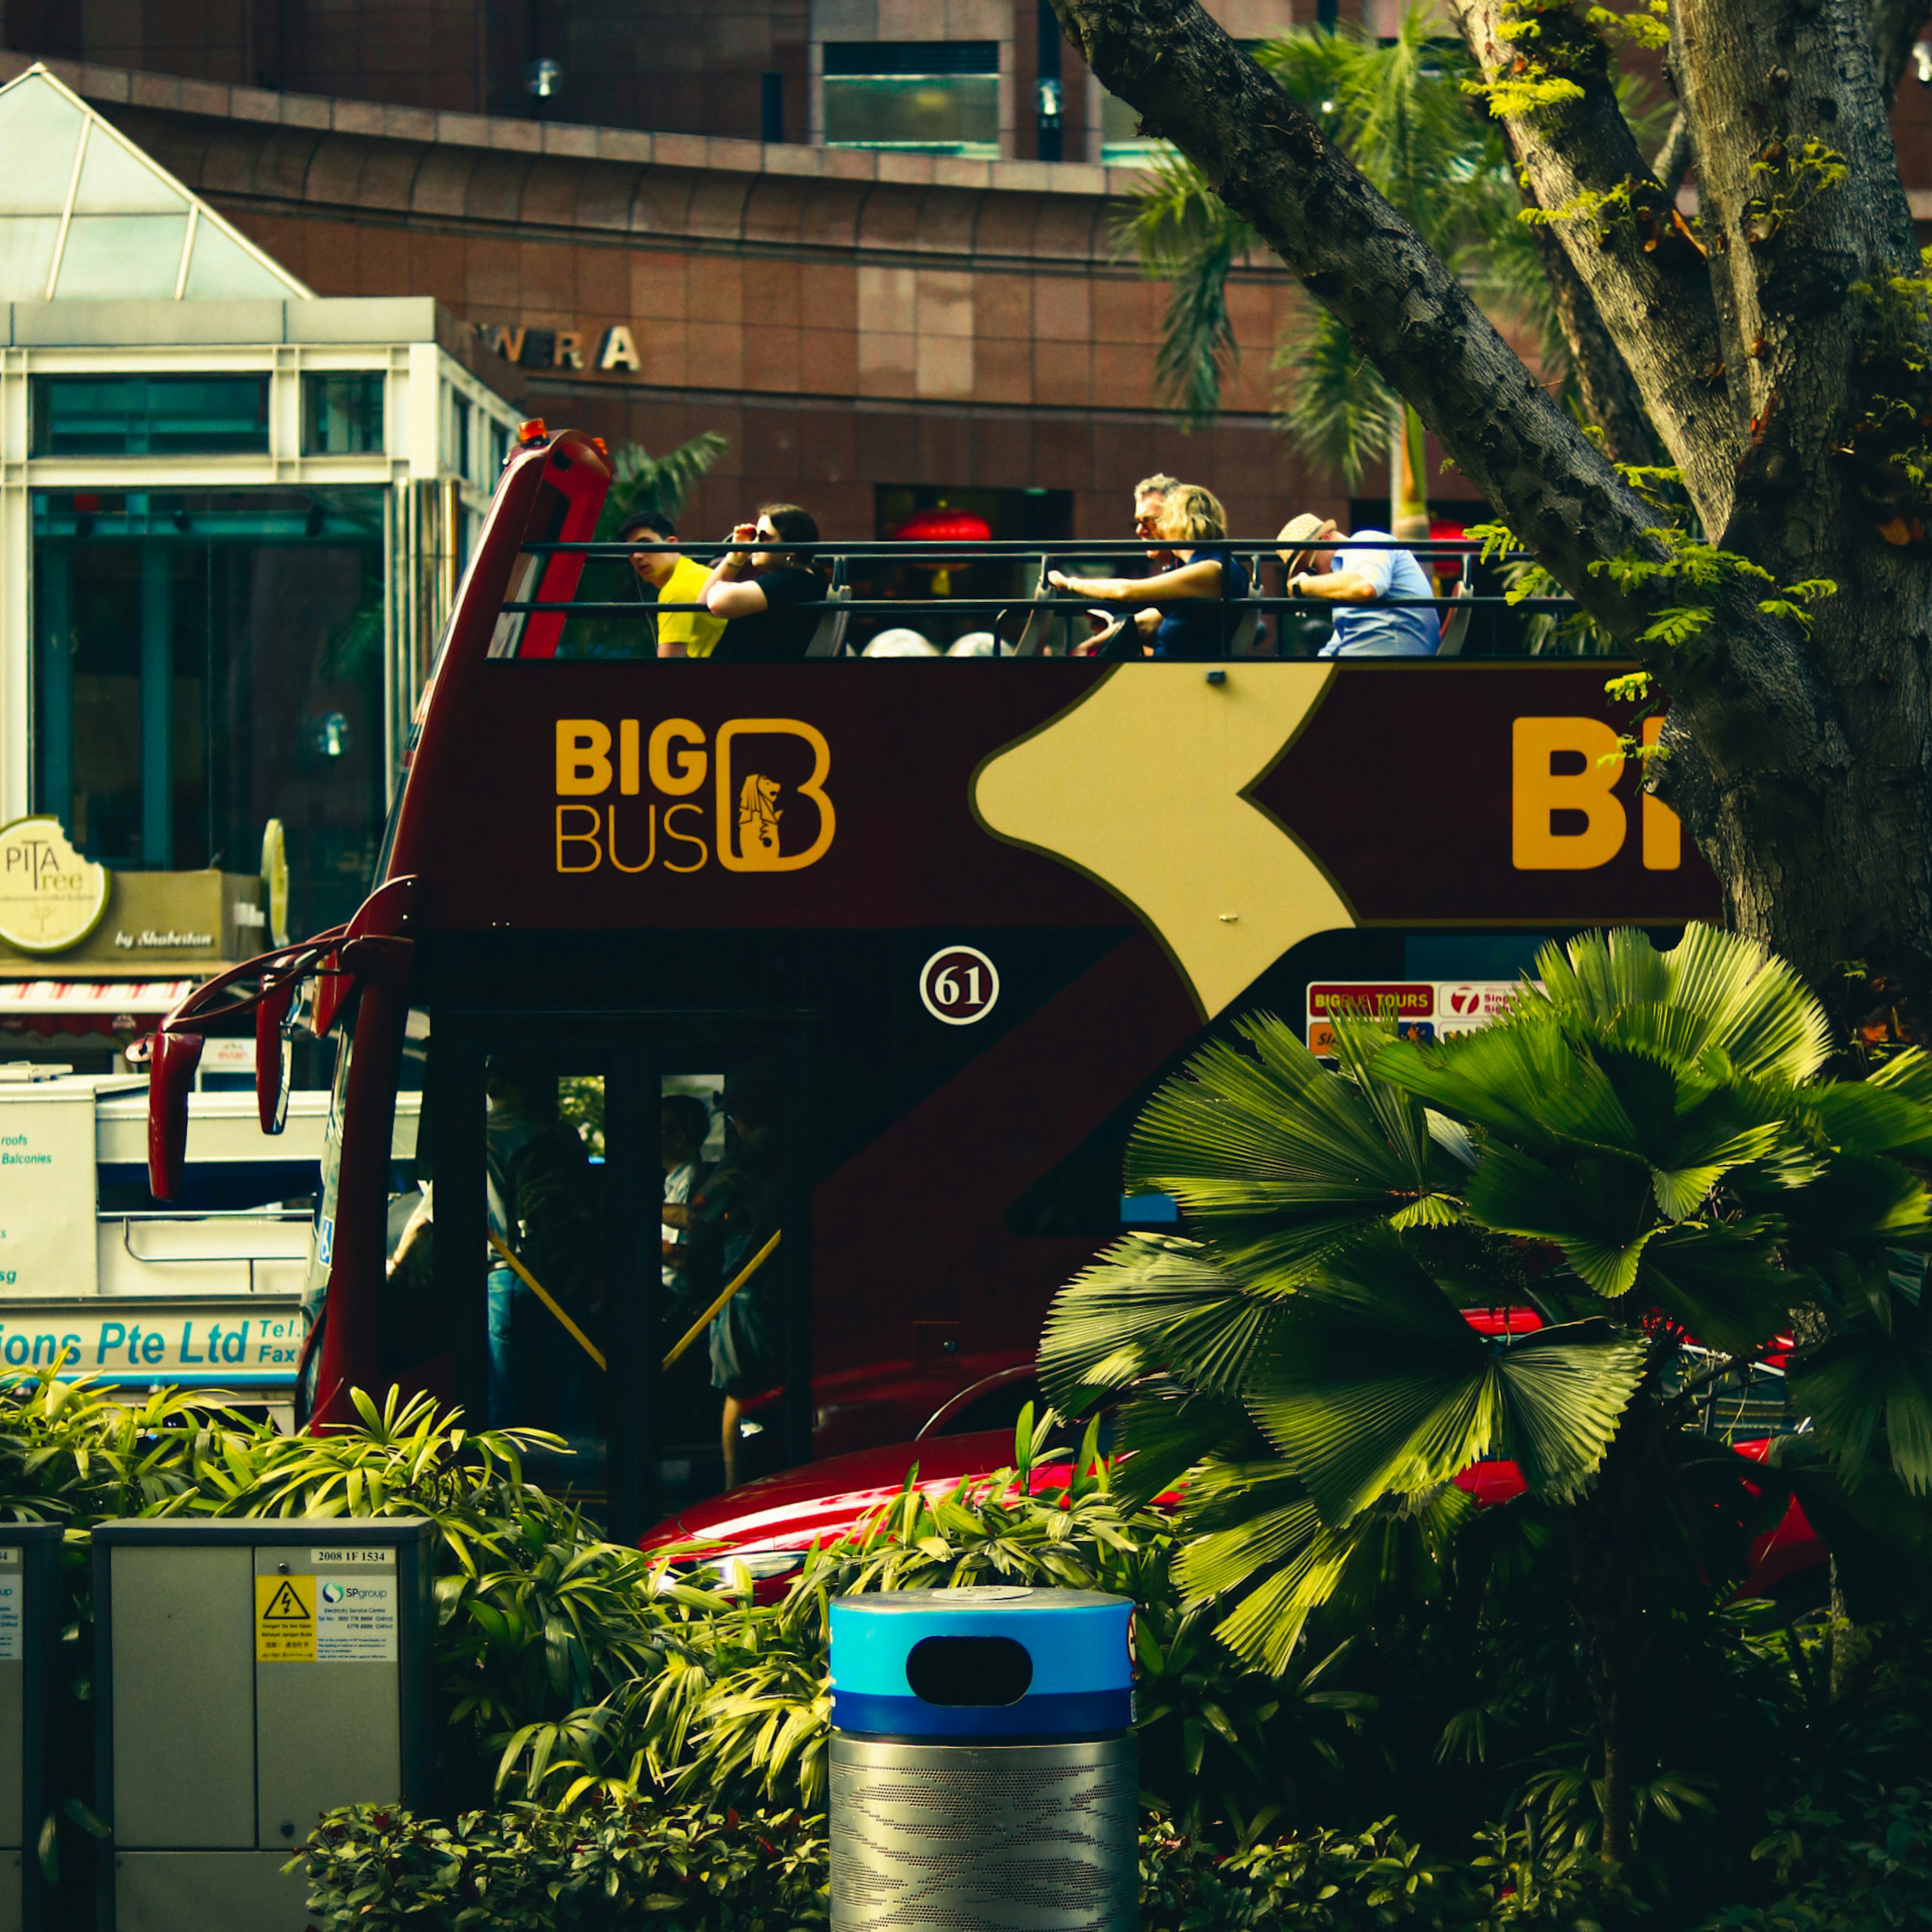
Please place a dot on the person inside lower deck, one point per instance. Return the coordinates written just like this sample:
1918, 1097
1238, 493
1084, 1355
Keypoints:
1183, 612
733, 1215
759, 585
1354, 585
684, 1122
675, 580
541, 1209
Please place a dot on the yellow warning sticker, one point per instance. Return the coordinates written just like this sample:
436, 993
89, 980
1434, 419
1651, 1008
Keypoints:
284, 1619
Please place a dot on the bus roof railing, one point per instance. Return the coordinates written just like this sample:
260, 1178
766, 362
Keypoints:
960, 553
957, 551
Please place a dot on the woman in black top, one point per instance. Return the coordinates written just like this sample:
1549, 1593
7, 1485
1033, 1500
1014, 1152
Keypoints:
765, 625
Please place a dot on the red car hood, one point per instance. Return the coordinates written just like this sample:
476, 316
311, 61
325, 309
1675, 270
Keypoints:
822, 1501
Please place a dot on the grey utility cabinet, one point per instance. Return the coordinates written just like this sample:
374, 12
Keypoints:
250, 1675
30, 1557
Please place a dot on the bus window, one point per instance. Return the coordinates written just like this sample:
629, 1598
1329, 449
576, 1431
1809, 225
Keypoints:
546, 1252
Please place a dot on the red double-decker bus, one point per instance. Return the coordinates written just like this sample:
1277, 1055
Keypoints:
875, 960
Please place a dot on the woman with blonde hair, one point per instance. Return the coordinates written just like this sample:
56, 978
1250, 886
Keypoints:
1180, 612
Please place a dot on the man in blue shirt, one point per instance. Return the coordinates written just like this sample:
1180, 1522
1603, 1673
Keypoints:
1357, 583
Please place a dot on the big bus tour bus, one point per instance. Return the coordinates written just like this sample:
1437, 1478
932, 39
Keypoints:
863, 967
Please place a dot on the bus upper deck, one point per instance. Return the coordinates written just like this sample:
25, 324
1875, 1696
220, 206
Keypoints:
841, 983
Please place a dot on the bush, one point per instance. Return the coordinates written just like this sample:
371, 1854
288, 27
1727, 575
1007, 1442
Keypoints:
1865, 1867
609, 1862
616, 1861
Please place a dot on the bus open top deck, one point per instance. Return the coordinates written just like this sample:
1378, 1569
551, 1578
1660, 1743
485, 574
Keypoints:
930, 931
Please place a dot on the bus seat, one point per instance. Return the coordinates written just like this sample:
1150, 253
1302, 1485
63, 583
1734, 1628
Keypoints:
1039, 620
829, 640
1248, 627
1456, 623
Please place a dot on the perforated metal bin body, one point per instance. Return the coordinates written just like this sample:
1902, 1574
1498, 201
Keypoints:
250, 1675
984, 1772
30, 1556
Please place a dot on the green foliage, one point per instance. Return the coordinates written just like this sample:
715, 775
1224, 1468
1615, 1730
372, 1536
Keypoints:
642, 481
1864, 1865
1785, 182
623, 1862
1650, 1125
613, 1862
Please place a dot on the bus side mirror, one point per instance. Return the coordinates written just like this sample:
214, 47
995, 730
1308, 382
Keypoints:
275, 1056
171, 1071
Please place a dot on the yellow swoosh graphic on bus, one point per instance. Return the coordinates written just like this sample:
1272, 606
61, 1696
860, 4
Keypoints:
1139, 785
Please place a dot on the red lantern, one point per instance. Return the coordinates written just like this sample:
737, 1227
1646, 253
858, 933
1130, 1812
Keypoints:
943, 526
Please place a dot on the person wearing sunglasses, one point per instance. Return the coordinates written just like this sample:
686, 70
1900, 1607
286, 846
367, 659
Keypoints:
759, 585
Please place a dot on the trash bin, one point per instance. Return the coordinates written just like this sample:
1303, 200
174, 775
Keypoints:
30, 1556
984, 1772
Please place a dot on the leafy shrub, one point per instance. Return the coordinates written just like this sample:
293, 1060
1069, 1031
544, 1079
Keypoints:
616, 1861
612, 1862
1864, 1867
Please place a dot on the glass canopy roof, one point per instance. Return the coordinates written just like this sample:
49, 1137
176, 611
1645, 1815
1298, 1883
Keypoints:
85, 216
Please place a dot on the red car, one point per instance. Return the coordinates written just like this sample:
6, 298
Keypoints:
769, 1525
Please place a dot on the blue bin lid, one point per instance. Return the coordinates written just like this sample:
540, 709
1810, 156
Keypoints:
997, 1660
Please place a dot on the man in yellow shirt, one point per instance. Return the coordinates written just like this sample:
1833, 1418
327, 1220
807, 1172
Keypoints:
677, 580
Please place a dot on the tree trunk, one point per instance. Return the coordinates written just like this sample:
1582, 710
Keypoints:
1610, 1535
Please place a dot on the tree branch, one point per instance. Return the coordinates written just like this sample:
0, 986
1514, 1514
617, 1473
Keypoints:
1788, 241
1609, 395
1645, 275
1673, 159
1268, 161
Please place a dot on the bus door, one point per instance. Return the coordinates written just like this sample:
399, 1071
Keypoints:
630, 1279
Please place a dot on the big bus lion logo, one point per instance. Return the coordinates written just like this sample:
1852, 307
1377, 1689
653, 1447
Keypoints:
755, 819
671, 762
758, 815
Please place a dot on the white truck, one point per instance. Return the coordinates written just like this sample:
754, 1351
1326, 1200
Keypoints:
205, 1294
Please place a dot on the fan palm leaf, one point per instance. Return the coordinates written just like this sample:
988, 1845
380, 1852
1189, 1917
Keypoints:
1645, 1133
1374, 1384
1284, 1159
1150, 1303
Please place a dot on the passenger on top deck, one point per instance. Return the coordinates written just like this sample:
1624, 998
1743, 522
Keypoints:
677, 579
758, 591
1181, 613
1355, 583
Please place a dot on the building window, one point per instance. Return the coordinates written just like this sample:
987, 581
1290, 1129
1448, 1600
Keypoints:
206, 661
342, 413
918, 97
499, 451
150, 415
462, 452
1121, 143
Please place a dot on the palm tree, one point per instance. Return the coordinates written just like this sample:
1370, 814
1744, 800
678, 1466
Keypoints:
642, 481
1400, 112
1641, 1147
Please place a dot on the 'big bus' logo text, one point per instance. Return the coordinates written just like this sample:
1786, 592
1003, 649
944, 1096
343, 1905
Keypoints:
769, 810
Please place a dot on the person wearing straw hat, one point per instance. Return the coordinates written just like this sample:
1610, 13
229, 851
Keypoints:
1358, 584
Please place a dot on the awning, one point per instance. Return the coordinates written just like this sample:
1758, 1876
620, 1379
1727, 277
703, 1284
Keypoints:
111, 1006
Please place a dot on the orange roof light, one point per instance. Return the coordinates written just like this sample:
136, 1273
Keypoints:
533, 431
598, 443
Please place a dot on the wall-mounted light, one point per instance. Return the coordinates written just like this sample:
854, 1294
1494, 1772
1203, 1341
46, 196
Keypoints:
1049, 97
1921, 62
543, 78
